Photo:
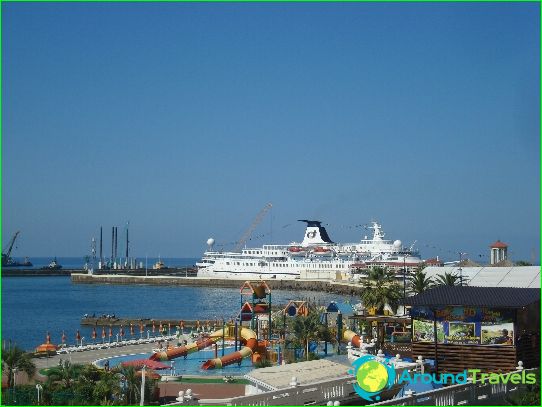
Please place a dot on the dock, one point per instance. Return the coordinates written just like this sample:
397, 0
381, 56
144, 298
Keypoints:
36, 272
146, 322
337, 287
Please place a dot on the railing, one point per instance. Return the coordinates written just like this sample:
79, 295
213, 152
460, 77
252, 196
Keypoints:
311, 394
461, 394
341, 391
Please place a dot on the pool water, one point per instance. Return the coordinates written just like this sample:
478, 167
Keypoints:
189, 366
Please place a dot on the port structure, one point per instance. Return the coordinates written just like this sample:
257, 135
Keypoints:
253, 226
7, 251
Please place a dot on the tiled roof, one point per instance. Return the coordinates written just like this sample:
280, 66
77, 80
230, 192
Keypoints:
499, 245
494, 297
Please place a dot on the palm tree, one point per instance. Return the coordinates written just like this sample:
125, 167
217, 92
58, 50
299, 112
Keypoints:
65, 374
107, 388
84, 386
420, 282
380, 288
309, 328
448, 279
14, 358
132, 389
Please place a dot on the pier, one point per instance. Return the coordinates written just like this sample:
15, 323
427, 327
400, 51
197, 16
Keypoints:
146, 322
338, 287
46, 272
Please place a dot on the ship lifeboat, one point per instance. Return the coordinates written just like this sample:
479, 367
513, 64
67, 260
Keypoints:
297, 251
321, 251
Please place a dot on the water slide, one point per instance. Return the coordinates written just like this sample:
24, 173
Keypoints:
186, 349
351, 336
249, 338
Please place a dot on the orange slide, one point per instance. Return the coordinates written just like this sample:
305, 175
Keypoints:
190, 348
249, 338
351, 336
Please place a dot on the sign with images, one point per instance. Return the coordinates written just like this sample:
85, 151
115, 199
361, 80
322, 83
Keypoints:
462, 333
423, 331
464, 325
497, 334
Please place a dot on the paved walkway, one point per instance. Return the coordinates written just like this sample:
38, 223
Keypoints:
89, 356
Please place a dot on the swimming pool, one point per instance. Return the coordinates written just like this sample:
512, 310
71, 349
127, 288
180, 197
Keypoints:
189, 366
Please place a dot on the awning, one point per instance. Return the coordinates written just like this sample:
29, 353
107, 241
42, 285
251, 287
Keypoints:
151, 364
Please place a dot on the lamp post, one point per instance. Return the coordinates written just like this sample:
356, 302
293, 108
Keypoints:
142, 401
404, 283
39, 388
14, 384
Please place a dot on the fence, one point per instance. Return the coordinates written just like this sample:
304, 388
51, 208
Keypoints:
462, 394
341, 391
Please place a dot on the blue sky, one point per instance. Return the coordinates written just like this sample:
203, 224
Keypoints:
186, 119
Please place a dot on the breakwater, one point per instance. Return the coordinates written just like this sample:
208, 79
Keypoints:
45, 272
25, 272
337, 287
149, 322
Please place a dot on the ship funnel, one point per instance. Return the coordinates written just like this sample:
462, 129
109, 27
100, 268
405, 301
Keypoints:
315, 233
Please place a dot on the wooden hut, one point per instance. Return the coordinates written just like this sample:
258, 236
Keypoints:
486, 328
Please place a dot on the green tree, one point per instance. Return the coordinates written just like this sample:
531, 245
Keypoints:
448, 279
88, 376
107, 389
522, 263
64, 375
380, 287
14, 358
420, 282
132, 384
309, 328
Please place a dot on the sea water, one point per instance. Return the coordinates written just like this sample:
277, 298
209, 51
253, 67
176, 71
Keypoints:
33, 306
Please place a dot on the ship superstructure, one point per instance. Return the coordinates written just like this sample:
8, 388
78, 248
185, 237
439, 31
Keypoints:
315, 257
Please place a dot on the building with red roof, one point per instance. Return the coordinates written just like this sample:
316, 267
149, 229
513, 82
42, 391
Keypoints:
499, 252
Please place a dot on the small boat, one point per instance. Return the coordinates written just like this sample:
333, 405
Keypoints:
27, 262
159, 265
52, 266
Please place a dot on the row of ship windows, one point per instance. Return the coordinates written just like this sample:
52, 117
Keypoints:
260, 252
321, 266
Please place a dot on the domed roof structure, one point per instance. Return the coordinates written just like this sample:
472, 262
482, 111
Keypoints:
498, 245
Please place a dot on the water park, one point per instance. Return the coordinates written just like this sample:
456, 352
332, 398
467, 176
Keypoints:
303, 353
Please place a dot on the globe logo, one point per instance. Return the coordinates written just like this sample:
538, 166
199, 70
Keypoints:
372, 377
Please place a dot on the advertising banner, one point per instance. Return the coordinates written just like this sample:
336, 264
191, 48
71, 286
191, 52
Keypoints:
424, 331
464, 325
498, 334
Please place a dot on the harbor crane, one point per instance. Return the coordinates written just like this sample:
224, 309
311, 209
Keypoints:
6, 254
255, 223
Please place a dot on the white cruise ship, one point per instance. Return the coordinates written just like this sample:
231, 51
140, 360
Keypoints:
316, 257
